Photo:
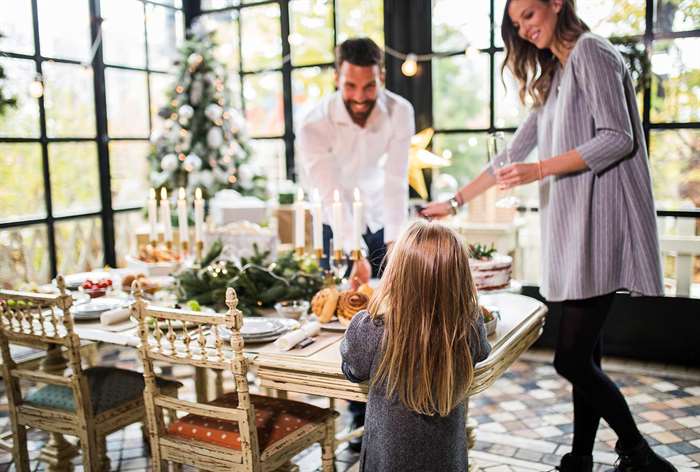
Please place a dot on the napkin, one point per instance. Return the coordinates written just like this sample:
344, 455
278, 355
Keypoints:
115, 316
291, 339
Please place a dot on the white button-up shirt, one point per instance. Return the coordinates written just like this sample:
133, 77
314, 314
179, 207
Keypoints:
335, 153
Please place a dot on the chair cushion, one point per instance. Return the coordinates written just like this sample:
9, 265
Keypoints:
274, 418
109, 388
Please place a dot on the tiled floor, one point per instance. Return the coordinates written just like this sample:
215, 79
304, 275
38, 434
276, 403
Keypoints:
524, 420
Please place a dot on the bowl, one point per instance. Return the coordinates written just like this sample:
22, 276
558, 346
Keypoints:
294, 309
491, 317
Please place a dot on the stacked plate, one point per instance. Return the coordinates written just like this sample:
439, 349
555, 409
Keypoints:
94, 308
262, 330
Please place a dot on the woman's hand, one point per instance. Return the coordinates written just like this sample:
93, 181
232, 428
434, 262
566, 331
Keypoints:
436, 210
518, 174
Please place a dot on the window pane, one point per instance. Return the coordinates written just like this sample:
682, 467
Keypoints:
160, 84
23, 120
608, 18
457, 23
675, 168
127, 103
461, 91
21, 182
126, 224
172, 3
128, 168
24, 256
468, 152
64, 29
75, 183
676, 81
79, 245
499, 7
676, 15
311, 38
264, 104
269, 156
69, 100
263, 47
360, 18
308, 86
509, 111
226, 38
214, 4
16, 27
123, 39
165, 35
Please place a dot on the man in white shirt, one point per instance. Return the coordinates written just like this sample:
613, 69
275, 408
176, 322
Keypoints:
359, 137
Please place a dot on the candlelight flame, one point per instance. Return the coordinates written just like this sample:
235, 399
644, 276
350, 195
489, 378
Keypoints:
163, 194
181, 193
198, 193
300, 195
336, 196
152, 194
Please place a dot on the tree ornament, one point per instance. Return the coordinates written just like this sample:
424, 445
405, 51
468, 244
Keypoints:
169, 163
213, 112
215, 137
192, 162
186, 111
194, 60
196, 92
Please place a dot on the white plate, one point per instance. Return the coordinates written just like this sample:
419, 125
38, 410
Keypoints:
334, 325
94, 308
260, 326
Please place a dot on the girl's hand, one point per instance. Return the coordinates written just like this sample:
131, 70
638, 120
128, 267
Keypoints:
517, 174
436, 210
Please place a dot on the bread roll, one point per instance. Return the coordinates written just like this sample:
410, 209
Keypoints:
349, 303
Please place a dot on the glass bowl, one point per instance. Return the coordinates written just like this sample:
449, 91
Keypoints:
294, 309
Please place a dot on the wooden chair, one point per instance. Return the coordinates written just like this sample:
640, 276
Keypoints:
237, 431
89, 404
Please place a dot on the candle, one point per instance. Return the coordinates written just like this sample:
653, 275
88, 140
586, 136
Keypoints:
165, 216
357, 220
318, 223
198, 215
182, 218
299, 210
152, 216
337, 220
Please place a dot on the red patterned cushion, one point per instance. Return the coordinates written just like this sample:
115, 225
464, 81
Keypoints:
275, 419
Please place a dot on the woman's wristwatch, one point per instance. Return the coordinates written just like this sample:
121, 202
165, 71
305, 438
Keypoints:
454, 205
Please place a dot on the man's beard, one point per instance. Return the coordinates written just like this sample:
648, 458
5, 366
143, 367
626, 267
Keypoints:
359, 117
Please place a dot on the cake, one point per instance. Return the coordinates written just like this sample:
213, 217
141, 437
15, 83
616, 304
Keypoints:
490, 270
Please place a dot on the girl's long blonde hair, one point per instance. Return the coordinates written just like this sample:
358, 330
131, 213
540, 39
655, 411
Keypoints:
429, 306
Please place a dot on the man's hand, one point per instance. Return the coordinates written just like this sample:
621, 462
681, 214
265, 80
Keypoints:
436, 210
360, 274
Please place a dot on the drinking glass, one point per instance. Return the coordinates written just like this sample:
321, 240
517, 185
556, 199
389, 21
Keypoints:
338, 266
499, 157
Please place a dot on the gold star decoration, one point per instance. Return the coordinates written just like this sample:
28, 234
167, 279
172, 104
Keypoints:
420, 158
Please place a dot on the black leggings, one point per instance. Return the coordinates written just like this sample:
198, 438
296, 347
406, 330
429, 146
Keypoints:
577, 359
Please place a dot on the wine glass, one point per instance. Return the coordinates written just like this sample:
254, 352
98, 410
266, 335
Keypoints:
339, 266
499, 156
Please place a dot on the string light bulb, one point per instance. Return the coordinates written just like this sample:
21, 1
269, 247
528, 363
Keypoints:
36, 87
409, 66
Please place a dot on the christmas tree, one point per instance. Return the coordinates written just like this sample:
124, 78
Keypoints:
203, 140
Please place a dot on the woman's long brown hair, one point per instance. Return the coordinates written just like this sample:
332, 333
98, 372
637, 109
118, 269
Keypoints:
429, 306
532, 67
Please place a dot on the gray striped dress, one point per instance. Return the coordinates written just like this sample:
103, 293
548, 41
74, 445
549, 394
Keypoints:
599, 225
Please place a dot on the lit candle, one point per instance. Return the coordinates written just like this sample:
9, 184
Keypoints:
337, 220
357, 220
299, 210
182, 219
165, 216
318, 223
198, 216
152, 217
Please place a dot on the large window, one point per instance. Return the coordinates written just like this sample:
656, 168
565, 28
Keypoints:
74, 154
470, 100
280, 58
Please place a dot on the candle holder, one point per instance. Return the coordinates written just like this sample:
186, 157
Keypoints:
153, 243
185, 248
337, 254
318, 254
169, 245
199, 248
356, 255
299, 251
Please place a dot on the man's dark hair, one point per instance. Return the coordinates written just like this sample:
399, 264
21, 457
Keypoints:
360, 52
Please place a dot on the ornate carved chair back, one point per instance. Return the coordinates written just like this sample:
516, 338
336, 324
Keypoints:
46, 322
201, 340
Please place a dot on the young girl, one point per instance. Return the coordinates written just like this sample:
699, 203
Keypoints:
417, 345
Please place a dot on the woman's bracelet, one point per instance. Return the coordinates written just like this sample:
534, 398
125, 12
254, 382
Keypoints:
539, 170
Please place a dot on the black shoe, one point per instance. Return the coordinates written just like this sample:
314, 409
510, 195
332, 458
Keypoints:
573, 463
355, 445
641, 458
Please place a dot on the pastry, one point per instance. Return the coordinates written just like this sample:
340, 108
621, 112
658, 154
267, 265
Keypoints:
349, 303
319, 300
329, 306
366, 290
